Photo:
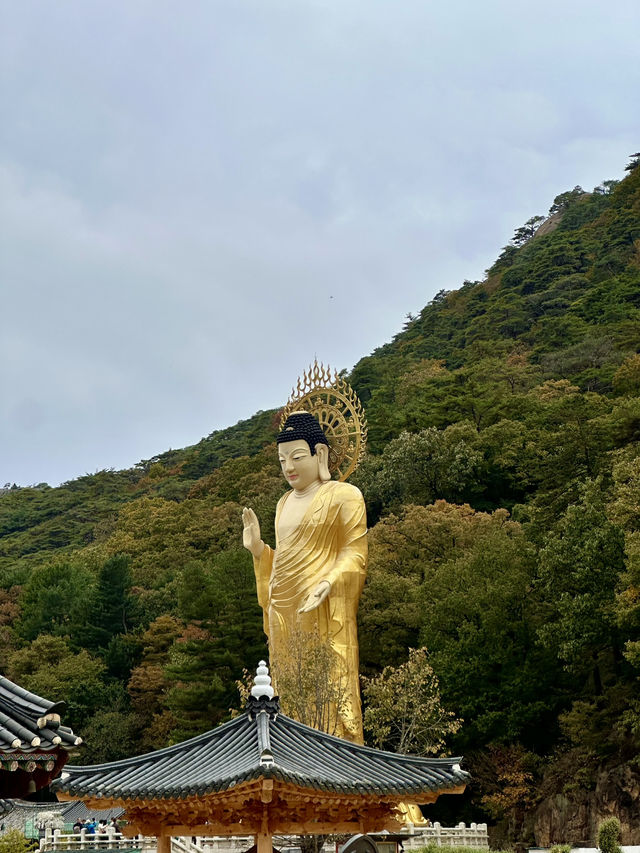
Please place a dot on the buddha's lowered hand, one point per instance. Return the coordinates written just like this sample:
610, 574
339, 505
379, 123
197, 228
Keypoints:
316, 598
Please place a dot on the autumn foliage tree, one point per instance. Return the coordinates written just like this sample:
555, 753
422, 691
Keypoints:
306, 682
403, 708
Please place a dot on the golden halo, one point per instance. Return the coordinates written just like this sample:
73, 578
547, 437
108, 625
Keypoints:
334, 403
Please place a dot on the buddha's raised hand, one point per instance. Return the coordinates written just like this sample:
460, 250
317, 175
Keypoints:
251, 538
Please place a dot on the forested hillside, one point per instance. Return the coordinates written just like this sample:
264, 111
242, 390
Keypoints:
503, 491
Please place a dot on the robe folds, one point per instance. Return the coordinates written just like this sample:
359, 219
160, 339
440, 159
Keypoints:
330, 543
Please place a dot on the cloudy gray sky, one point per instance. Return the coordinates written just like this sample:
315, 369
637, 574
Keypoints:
198, 197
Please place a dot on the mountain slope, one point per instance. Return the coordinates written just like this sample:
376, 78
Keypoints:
502, 489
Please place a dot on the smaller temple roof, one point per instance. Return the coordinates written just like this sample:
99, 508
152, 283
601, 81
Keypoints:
262, 745
259, 774
68, 811
77, 810
29, 723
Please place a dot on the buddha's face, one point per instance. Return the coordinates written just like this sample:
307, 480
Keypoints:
299, 467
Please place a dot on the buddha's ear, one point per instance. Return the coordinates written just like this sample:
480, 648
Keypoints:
322, 452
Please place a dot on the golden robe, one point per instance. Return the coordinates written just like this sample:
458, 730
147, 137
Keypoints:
330, 543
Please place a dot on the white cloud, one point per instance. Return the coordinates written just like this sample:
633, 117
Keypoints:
185, 188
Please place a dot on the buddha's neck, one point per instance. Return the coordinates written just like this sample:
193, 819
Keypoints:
305, 493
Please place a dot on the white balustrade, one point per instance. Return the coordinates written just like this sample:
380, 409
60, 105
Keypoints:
109, 839
473, 836
461, 835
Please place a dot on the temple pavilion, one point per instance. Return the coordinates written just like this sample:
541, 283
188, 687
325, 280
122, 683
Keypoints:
34, 745
261, 774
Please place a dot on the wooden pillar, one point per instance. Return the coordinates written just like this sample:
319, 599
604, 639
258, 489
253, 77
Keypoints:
164, 843
264, 843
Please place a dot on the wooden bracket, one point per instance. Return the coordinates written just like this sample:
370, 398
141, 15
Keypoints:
266, 795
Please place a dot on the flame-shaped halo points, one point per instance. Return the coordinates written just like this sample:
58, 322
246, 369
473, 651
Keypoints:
339, 412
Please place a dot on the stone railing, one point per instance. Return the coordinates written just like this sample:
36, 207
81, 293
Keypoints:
215, 844
110, 839
474, 835
56, 841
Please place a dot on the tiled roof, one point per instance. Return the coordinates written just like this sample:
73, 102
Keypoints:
29, 723
262, 743
72, 812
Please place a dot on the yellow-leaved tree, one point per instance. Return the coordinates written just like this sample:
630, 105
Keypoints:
305, 679
403, 709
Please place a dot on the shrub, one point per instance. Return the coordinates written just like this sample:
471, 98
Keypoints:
561, 848
14, 841
609, 835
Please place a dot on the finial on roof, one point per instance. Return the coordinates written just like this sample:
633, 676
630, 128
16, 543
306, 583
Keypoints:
262, 696
262, 683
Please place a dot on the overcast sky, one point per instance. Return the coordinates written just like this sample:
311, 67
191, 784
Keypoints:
199, 197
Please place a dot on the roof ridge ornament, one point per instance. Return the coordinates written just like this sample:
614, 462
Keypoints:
262, 682
263, 696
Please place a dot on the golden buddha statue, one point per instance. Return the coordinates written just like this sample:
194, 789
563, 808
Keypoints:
311, 582
313, 579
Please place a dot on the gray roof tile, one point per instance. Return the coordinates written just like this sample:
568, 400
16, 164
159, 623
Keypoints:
232, 753
30, 723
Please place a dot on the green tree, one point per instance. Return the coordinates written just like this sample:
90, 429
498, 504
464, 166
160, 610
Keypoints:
479, 620
110, 605
49, 668
624, 510
579, 567
564, 200
13, 841
569, 435
162, 536
420, 467
526, 231
461, 581
606, 187
401, 548
148, 684
633, 163
55, 600
609, 835
109, 735
225, 631
403, 708
627, 376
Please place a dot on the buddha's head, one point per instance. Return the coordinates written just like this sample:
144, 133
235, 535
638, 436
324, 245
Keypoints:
303, 450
